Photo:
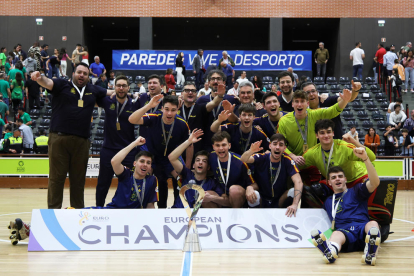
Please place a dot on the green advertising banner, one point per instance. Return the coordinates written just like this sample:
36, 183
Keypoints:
390, 168
24, 166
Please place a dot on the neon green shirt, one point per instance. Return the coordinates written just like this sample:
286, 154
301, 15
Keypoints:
8, 135
343, 156
3, 58
288, 127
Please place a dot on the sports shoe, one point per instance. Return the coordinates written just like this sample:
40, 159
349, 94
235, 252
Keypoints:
412, 91
372, 242
404, 91
319, 240
18, 230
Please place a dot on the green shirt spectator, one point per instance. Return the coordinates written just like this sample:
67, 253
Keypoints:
321, 55
12, 74
4, 88
3, 58
17, 92
24, 116
8, 135
3, 109
8, 66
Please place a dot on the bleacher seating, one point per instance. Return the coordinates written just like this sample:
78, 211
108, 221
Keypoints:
318, 80
344, 80
331, 81
140, 79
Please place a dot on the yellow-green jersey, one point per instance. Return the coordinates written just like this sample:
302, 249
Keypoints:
342, 156
289, 128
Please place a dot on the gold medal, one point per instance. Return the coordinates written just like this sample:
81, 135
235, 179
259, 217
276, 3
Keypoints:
305, 147
118, 126
80, 103
333, 225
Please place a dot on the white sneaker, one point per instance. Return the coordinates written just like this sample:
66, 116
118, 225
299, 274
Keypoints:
404, 91
412, 91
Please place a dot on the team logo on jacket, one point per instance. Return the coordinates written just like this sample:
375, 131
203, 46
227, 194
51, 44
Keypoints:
73, 91
112, 107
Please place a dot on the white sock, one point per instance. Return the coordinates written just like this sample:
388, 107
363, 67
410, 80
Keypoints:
335, 246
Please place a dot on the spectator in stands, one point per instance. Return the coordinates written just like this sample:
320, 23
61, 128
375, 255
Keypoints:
96, 69
179, 67
33, 93
40, 144
198, 67
401, 72
8, 132
102, 81
402, 54
18, 68
3, 56
274, 90
9, 64
372, 140
201, 93
391, 141
35, 51
286, 80
397, 118
4, 108
141, 88
53, 67
321, 59
229, 72
353, 133
388, 61
295, 76
169, 80
409, 124
408, 63
21, 114
235, 90
16, 87
391, 107
258, 87
408, 46
63, 62
69, 135
407, 143
14, 144
76, 59
226, 59
30, 63
206, 89
5, 89
379, 59
357, 56
44, 55
27, 135
2, 123
396, 83
84, 54
111, 80
243, 77
20, 51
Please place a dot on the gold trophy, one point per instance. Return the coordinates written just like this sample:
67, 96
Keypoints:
192, 243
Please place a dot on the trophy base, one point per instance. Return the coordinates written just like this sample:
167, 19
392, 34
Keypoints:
192, 243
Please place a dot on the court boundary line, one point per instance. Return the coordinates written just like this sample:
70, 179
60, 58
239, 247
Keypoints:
187, 266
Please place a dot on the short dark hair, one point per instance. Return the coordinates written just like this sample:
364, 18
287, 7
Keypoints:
267, 95
307, 83
21, 108
399, 100
81, 64
121, 77
395, 60
189, 83
397, 105
144, 153
247, 108
170, 99
324, 124
357, 43
220, 136
201, 152
404, 130
77, 45
45, 45
155, 76
169, 71
380, 44
387, 49
220, 72
9, 128
42, 131
285, 74
300, 94
20, 121
335, 169
200, 50
278, 137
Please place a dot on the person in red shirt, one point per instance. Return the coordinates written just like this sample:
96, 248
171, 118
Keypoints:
169, 79
379, 59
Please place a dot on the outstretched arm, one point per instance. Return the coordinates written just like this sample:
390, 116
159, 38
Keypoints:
136, 117
116, 161
42, 80
215, 126
373, 181
247, 155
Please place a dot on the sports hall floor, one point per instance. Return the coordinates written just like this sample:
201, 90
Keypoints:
396, 255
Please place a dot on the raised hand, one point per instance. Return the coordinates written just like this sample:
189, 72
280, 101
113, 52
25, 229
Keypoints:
356, 86
194, 135
224, 115
346, 95
155, 100
360, 153
255, 147
348, 138
221, 90
259, 106
228, 106
35, 76
140, 141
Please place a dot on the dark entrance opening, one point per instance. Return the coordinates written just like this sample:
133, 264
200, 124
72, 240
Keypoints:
306, 33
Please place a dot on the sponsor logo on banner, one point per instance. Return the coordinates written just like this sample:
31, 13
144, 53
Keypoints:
93, 167
244, 60
109, 229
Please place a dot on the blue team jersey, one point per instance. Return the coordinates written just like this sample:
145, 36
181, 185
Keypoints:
353, 208
155, 138
143, 100
266, 126
209, 185
126, 197
197, 117
117, 139
240, 144
240, 173
262, 174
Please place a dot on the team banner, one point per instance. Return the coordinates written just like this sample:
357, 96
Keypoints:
244, 60
109, 229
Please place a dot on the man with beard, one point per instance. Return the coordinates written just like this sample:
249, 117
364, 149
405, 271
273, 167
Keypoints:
199, 173
315, 102
242, 134
118, 133
269, 121
286, 81
72, 106
272, 171
229, 171
215, 103
168, 131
